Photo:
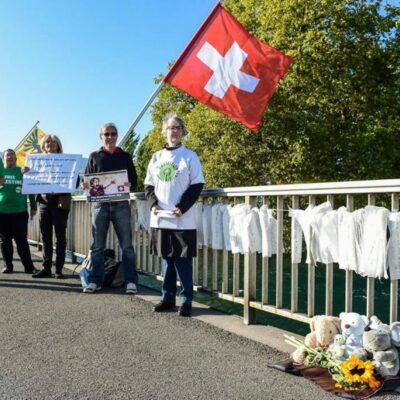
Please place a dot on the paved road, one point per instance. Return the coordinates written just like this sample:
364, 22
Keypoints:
58, 343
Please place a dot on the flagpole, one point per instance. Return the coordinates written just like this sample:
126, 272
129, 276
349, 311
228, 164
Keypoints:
141, 113
30, 130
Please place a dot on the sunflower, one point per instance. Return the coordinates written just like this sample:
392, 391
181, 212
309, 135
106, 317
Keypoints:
357, 371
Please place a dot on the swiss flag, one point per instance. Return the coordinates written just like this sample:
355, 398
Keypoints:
229, 70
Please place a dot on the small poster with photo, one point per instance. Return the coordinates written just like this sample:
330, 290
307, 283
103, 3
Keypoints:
106, 186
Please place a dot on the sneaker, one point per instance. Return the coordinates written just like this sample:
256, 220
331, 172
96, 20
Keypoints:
131, 288
164, 306
44, 273
91, 288
59, 275
185, 310
7, 270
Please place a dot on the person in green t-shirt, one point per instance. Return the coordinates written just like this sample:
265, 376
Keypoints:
1, 172
14, 215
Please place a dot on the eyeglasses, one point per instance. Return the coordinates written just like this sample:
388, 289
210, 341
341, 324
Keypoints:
107, 134
174, 128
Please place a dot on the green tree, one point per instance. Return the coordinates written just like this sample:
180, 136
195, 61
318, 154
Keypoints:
334, 116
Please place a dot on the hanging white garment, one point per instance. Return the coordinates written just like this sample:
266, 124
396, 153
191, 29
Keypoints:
252, 237
206, 218
296, 236
237, 215
198, 212
217, 236
374, 242
393, 254
350, 227
321, 244
268, 231
143, 215
225, 227
325, 247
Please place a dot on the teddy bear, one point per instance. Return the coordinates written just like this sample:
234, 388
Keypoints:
352, 326
377, 341
323, 330
338, 347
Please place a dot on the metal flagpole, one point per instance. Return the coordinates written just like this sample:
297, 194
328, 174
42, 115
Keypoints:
140, 115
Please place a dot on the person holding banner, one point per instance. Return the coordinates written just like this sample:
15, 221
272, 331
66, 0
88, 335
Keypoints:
14, 215
108, 159
53, 212
173, 184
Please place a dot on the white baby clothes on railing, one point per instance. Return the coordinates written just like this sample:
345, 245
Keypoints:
225, 227
393, 255
374, 242
268, 231
143, 215
198, 212
325, 235
236, 226
252, 241
217, 235
349, 238
206, 218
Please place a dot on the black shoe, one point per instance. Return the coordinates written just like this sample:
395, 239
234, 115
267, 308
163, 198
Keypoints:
44, 273
7, 270
185, 310
59, 275
164, 306
31, 270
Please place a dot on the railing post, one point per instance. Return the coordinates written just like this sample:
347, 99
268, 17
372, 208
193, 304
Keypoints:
236, 267
348, 306
265, 271
294, 298
311, 277
279, 251
329, 278
370, 281
250, 274
394, 284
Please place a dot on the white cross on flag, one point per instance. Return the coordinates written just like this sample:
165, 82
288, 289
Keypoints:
229, 70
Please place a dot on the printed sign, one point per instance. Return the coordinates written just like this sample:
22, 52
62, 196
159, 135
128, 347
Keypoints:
106, 186
51, 173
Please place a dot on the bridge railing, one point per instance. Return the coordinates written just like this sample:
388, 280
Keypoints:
270, 284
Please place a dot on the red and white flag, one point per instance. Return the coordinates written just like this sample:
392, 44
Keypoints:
228, 69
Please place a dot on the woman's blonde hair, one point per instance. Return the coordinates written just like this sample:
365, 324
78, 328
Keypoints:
52, 137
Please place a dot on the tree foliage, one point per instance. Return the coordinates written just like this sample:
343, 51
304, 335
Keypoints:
335, 115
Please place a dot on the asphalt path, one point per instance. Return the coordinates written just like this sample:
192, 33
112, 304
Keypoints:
59, 343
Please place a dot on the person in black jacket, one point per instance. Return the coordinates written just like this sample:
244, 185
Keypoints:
111, 158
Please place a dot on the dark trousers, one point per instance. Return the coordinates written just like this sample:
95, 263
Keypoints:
15, 226
53, 216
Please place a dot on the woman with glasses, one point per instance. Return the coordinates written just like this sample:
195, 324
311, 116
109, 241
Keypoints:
53, 212
173, 184
14, 216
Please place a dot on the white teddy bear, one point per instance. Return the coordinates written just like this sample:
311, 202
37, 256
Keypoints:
353, 325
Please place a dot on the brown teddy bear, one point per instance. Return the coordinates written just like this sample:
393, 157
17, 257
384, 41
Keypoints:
323, 330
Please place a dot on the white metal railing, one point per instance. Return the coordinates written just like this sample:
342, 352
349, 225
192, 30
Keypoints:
246, 280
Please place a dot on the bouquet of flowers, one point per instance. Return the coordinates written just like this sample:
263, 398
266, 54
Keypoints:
349, 375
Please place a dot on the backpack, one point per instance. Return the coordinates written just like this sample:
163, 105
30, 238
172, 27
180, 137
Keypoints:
114, 274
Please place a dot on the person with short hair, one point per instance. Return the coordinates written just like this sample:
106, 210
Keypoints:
53, 213
173, 184
111, 158
14, 215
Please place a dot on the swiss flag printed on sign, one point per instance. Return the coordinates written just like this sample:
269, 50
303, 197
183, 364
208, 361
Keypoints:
229, 70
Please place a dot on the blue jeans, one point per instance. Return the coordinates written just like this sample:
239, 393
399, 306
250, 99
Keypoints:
181, 266
119, 213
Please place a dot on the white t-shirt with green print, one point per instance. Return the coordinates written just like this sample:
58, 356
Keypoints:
171, 172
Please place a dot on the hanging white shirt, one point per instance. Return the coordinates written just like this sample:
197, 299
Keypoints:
143, 215
393, 255
217, 235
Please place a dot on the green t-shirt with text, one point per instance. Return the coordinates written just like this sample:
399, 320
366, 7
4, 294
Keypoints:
11, 198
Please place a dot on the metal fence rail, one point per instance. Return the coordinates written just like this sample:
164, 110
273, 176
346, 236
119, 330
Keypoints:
247, 280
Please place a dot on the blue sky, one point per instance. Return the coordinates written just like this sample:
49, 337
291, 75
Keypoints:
75, 64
